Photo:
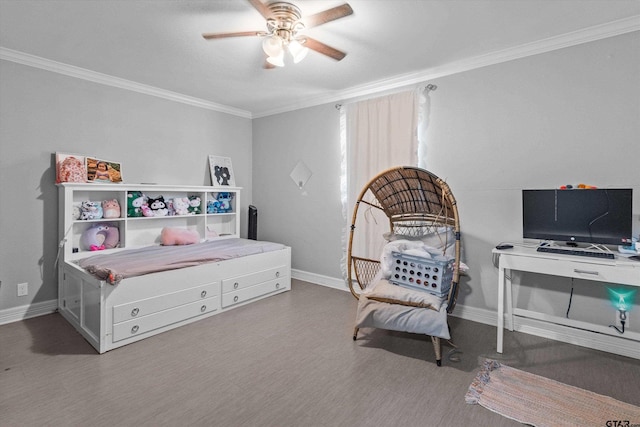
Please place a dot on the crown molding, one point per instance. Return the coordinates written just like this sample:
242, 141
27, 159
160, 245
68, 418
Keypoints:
105, 79
598, 32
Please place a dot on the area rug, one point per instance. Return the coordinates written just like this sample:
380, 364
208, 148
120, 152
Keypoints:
538, 401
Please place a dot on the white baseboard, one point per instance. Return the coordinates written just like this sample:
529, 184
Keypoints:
583, 338
319, 279
478, 315
16, 314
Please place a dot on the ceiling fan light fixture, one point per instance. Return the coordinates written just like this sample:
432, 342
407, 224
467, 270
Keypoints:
297, 51
277, 60
272, 46
284, 22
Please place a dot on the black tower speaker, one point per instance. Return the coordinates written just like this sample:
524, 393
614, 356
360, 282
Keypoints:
253, 223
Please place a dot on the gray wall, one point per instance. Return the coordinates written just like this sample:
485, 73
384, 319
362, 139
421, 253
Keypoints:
564, 117
309, 221
156, 140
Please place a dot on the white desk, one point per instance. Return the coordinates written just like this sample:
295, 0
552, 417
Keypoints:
619, 270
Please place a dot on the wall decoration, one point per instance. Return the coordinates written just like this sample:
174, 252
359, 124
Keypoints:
99, 170
70, 168
300, 175
221, 171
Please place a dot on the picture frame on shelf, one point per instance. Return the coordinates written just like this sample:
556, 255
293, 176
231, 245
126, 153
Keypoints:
221, 171
105, 171
70, 168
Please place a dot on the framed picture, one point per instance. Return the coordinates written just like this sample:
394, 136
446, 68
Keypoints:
221, 171
70, 168
99, 170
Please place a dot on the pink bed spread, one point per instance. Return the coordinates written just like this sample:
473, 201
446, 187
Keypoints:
135, 262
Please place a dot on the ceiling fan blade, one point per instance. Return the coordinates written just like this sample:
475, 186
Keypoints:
327, 16
236, 34
324, 49
261, 7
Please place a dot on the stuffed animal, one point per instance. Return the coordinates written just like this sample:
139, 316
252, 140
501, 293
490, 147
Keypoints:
225, 202
99, 237
135, 200
213, 206
111, 208
91, 210
77, 212
181, 205
146, 211
171, 210
178, 236
194, 205
158, 206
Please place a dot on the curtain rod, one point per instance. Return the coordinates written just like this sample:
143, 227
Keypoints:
429, 88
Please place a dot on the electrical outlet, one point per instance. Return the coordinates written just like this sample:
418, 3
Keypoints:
618, 319
23, 289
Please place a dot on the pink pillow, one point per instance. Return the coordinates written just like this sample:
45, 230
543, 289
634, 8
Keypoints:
178, 236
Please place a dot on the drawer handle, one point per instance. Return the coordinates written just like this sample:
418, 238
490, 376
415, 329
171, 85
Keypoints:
277, 285
203, 308
595, 273
135, 312
135, 329
235, 285
203, 294
235, 299
277, 274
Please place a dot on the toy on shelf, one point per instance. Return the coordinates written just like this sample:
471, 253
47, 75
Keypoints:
171, 210
91, 210
76, 213
135, 201
181, 205
194, 205
212, 206
99, 237
158, 206
111, 208
146, 211
225, 202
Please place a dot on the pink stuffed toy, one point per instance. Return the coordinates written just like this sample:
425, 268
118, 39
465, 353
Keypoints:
178, 236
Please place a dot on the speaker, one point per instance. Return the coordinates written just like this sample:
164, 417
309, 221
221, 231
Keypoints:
253, 223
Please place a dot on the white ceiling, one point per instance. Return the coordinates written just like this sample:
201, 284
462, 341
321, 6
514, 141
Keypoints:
158, 43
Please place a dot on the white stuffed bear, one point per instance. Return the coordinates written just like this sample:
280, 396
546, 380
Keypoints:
181, 205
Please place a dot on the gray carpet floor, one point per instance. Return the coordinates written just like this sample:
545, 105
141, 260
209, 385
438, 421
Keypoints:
287, 360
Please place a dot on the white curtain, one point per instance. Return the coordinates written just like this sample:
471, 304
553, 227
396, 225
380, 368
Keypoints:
377, 134
424, 119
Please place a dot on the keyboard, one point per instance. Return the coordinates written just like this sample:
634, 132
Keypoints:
578, 252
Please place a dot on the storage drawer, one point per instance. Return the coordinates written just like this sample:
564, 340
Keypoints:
148, 306
605, 273
159, 319
247, 293
566, 265
240, 282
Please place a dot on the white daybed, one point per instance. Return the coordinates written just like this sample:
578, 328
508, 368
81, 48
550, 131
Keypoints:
116, 309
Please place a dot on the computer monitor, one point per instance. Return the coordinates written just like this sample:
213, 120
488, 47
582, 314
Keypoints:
599, 216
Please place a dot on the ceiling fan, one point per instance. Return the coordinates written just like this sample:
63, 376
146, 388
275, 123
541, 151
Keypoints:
284, 22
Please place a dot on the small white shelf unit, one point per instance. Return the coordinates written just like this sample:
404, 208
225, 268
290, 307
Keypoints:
143, 231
